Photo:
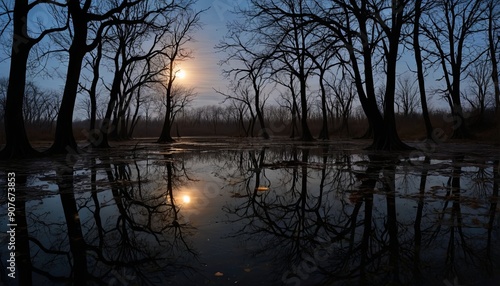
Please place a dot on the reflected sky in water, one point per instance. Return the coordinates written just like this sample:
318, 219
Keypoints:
289, 214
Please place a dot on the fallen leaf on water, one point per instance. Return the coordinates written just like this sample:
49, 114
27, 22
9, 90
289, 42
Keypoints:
247, 269
262, 189
219, 274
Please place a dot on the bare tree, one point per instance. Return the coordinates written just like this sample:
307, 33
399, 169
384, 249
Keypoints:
180, 98
186, 23
406, 95
100, 16
94, 111
420, 66
136, 65
324, 62
252, 67
241, 109
4, 84
451, 27
343, 94
292, 42
93, 61
147, 107
494, 47
478, 95
242, 97
288, 99
40, 106
371, 33
17, 13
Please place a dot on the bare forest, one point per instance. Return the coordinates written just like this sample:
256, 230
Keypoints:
289, 65
249, 142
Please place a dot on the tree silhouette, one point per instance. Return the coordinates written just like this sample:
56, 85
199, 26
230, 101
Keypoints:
134, 67
181, 33
17, 143
370, 38
420, 67
451, 28
103, 16
252, 73
494, 47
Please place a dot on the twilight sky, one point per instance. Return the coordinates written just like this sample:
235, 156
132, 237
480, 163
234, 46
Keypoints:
203, 71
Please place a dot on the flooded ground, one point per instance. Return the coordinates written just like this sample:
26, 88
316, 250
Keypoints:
256, 213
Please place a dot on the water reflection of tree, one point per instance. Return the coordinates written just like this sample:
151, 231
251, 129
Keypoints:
22, 242
365, 240
466, 248
293, 220
134, 237
146, 216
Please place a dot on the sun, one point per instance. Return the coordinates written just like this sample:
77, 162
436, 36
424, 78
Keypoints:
186, 199
180, 74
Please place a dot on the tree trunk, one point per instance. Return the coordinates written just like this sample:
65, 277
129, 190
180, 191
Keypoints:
64, 139
420, 69
294, 116
258, 111
121, 131
385, 137
459, 128
133, 124
106, 125
165, 136
260, 117
323, 134
306, 132
93, 88
368, 133
252, 125
17, 143
493, 56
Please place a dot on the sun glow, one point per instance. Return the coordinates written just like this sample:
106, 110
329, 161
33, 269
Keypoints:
180, 74
186, 199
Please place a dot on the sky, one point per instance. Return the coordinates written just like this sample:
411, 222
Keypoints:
203, 71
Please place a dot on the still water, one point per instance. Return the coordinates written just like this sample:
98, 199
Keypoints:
280, 213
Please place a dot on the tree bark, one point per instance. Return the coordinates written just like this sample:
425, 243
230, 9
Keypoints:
93, 88
260, 116
306, 132
323, 134
17, 143
493, 56
165, 136
64, 139
420, 69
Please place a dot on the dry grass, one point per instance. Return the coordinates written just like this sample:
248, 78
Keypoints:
410, 128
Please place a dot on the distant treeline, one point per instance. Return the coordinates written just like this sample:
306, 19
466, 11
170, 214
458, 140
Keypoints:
225, 121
